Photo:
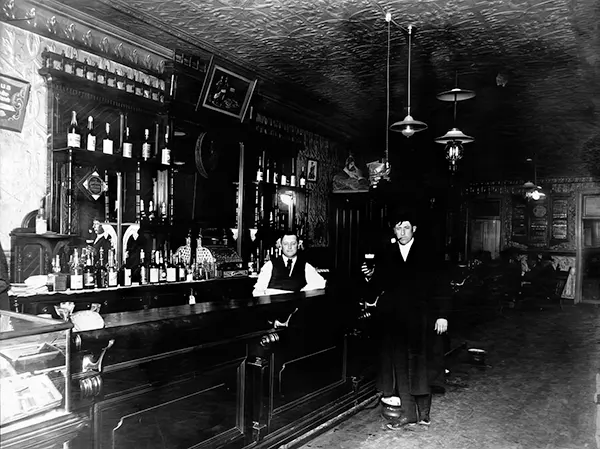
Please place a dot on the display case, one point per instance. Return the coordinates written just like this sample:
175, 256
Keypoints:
34, 379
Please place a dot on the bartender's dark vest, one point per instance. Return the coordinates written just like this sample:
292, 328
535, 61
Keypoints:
281, 279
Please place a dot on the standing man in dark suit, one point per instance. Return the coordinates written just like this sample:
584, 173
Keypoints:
407, 321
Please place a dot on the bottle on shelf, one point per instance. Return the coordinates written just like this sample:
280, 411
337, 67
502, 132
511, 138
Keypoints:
268, 172
144, 275
107, 143
127, 144
73, 133
165, 154
162, 267
259, 171
41, 224
113, 272
143, 215
146, 146
181, 270
89, 274
293, 173
125, 272
153, 269
76, 272
172, 271
151, 212
90, 136
275, 174
302, 178
163, 213
101, 271
283, 176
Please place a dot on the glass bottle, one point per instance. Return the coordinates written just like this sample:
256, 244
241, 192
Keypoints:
162, 267
172, 271
73, 132
76, 272
101, 271
153, 269
127, 145
125, 272
259, 171
41, 224
90, 137
165, 154
146, 146
302, 178
293, 174
89, 274
113, 273
107, 143
143, 269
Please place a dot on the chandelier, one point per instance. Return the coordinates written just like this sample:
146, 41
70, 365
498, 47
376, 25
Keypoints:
455, 138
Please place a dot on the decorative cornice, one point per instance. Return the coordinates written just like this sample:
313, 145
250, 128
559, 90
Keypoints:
64, 24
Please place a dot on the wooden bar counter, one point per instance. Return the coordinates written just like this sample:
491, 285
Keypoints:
235, 373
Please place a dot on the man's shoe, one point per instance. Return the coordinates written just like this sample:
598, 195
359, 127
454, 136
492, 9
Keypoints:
401, 423
425, 421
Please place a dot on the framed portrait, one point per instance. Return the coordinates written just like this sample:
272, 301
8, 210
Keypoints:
14, 94
312, 170
226, 92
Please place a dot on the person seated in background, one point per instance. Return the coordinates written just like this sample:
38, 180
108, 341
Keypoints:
287, 273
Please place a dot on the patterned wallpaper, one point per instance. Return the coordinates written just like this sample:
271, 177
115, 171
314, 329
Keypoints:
22, 155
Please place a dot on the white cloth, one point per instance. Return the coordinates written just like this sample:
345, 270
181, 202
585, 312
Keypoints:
405, 249
313, 279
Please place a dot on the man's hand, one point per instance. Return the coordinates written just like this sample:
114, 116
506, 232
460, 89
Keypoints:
367, 272
441, 325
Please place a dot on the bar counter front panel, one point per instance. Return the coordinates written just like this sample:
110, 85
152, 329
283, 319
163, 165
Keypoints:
220, 373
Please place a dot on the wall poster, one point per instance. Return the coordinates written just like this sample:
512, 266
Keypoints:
14, 94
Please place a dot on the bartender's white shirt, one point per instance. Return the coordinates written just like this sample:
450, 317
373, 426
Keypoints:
313, 279
404, 249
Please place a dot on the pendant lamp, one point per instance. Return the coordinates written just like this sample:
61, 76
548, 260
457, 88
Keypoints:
409, 125
455, 138
532, 190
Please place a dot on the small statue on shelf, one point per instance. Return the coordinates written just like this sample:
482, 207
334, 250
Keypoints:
184, 252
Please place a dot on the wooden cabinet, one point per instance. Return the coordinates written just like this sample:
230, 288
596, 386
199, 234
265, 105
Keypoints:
31, 253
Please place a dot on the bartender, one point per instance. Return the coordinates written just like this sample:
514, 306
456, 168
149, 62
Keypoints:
287, 273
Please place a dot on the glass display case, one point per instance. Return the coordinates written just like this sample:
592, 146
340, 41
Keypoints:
34, 371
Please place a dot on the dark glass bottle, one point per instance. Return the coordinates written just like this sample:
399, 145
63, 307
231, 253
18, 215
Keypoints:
89, 274
146, 146
73, 133
154, 269
90, 136
101, 271
144, 275
127, 145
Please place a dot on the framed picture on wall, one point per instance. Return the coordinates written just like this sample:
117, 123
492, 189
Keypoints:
312, 168
225, 91
14, 94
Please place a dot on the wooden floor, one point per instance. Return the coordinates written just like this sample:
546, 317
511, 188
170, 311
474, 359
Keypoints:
537, 390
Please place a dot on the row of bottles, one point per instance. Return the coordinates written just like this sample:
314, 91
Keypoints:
88, 140
87, 273
134, 82
268, 172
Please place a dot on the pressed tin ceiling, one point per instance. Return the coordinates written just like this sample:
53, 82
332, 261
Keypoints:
534, 65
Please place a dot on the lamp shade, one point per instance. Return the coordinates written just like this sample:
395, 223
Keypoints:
454, 135
456, 94
408, 126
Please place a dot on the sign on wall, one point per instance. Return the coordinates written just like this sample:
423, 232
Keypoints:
14, 94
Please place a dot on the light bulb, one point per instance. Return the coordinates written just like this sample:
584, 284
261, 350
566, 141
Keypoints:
535, 195
408, 131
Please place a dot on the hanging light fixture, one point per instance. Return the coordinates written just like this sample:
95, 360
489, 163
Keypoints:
455, 138
409, 125
532, 190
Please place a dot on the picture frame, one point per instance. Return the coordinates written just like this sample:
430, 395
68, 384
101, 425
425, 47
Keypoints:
312, 168
225, 91
14, 95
